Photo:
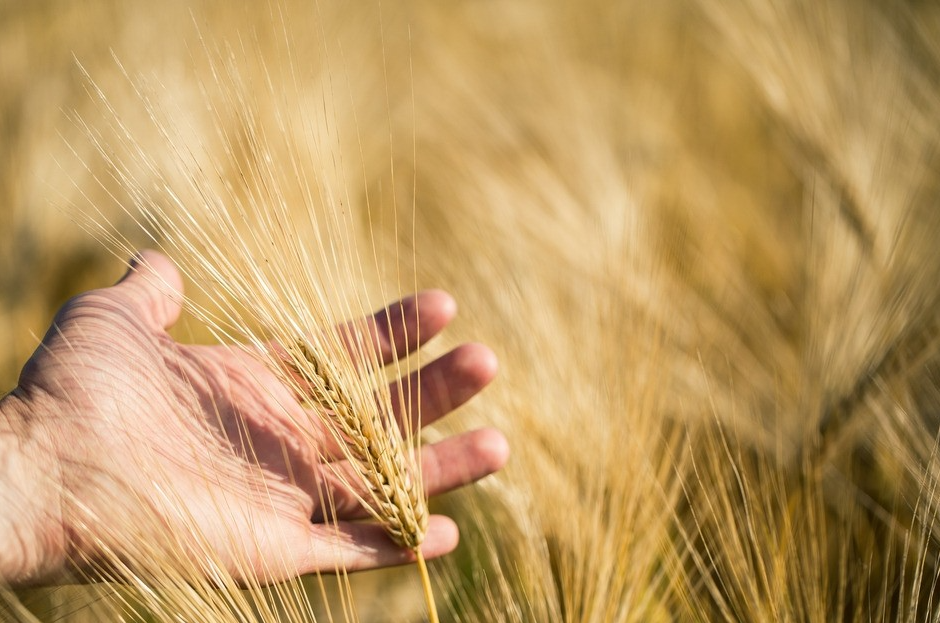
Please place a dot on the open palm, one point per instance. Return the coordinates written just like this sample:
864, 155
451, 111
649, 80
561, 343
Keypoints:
155, 437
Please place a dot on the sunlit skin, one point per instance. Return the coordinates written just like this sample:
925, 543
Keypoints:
110, 406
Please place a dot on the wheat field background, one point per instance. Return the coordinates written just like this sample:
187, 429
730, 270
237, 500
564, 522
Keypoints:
701, 237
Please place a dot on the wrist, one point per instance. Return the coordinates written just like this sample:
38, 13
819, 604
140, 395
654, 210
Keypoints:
32, 540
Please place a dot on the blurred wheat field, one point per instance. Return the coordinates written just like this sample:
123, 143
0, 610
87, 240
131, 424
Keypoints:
700, 236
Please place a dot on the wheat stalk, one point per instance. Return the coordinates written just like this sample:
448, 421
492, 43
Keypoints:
285, 302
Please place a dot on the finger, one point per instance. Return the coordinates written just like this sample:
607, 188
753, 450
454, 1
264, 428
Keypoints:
153, 288
445, 465
443, 385
359, 546
400, 328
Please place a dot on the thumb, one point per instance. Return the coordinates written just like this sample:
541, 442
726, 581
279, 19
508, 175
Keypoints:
153, 287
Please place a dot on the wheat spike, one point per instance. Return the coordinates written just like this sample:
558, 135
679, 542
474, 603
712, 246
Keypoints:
278, 258
376, 451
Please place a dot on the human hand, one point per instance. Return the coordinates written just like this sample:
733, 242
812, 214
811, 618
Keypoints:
116, 430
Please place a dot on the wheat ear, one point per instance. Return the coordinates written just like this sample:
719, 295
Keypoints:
280, 257
375, 450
